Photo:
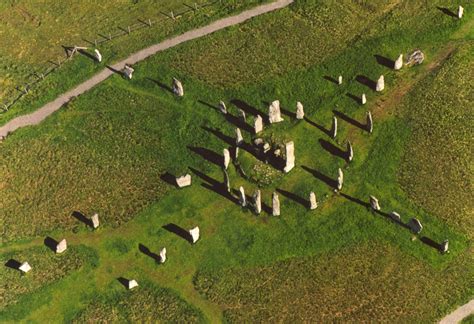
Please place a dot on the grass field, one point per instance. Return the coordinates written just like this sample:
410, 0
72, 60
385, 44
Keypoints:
108, 149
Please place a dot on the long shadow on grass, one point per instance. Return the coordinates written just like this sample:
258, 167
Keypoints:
13, 264
247, 108
349, 120
217, 133
208, 155
81, 217
51, 243
208, 105
366, 81
330, 79
446, 11
169, 179
214, 185
294, 197
234, 120
143, 249
431, 243
354, 97
385, 61
179, 231
161, 85
334, 150
324, 178
321, 128
123, 281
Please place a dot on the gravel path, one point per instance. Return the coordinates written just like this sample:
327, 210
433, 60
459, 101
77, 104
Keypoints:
43, 112
459, 314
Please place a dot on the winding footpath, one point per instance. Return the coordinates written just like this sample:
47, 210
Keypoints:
459, 314
39, 115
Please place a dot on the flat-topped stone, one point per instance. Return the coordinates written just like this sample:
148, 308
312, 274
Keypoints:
61, 246
184, 181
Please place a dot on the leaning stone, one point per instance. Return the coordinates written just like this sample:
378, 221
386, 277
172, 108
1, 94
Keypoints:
242, 115
132, 284
226, 158
374, 203
61, 246
194, 233
24, 267
258, 125
226, 180
95, 220
340, 179
415, 58
460, 12
163, 255
313, 204
222, 107
178, 88
290, 156
274, 113
339, 80
128, 71
398, 63
334, 127
98, 56
239, 138
443, 248
299, 110
395, 216
350, 151
257, 199
242, 198
363, 100
415, 225
380, 84
184, 181
370, 122
275, 204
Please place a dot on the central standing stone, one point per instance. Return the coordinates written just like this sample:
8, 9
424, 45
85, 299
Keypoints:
258, 125
275, 204
274, 113
290, 156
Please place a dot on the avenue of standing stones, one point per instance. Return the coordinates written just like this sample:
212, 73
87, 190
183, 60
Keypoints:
285, 162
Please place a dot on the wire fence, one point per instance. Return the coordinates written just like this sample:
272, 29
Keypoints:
34, 79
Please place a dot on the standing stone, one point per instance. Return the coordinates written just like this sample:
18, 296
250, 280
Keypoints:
415, 58
61, 246
374, 203
163, 255
313, 203
24, 267
370, 122
274, 113
194, 233
236, 152
257, 199
258, 125
275, 204
460, 12
98, 56
178, 88
299, 110
334, 127
95, 221
132, 284
239, 138
415, 225
398, 63
290, 156
226, 180
380, 84
184, 181
340, 179
443, 248
242, 115
242, 198
363, 99
226, 158
395, 216
350, 151
222, 107
128, 71
339, 80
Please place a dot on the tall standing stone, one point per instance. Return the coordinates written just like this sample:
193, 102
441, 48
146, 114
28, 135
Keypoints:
275, 204
239, 139
61, 246
24, 267
415, 225
340, 179
290, 156
274, 113
443, 248
398, 63
460, 12
194, 233
222, 107
226, 180
350, 151
363, 100
226, 158
257, 200
339, 80
178, 88
242, 198
370, 122
313, 203
299, 110
98, 56
163, 255
258, 125
380, 84
128, 71
334, 127
374, 203
95, 221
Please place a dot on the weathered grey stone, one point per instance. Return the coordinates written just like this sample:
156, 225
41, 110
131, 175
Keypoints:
258, 124
132, 284
277, 153
95, 220
98, 56
460, 12
395, 216
184, 181
443, 248
350, 152
339, 80
370, 122
61, 246
163, 255
242, 115
363, 100
380, 84
415, 225
334, 127
257, 200
226, 158
178, 88
266, 147
239, 138
194, 233
398, 63
299, 110
274, 113
24, 267
290, 156
242, 198
340, 179
222, 107
313, 203
128, 71
258, 141
415, 58
226, 180
374, 203
275, 204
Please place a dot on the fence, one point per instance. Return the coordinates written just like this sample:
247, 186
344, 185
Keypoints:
15, 94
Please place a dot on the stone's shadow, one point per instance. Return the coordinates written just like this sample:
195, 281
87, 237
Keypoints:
387, 215
161, 85
169, 179
89, 55
293, 197
267, 208
366, 81
13, 264
247, 108
208, 155
282, 110
214, 185
115, 71
123, 281
331, 79
237, 122
51, 243
208, 105
355, 200
324, 178
334, 150
431, 243
349, 120
446, 11
321, 128
355, 98
143, 249
181, 232
385, 61
217, 133
81, 217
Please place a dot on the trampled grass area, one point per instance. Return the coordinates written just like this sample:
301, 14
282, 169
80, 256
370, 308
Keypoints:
124, 134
